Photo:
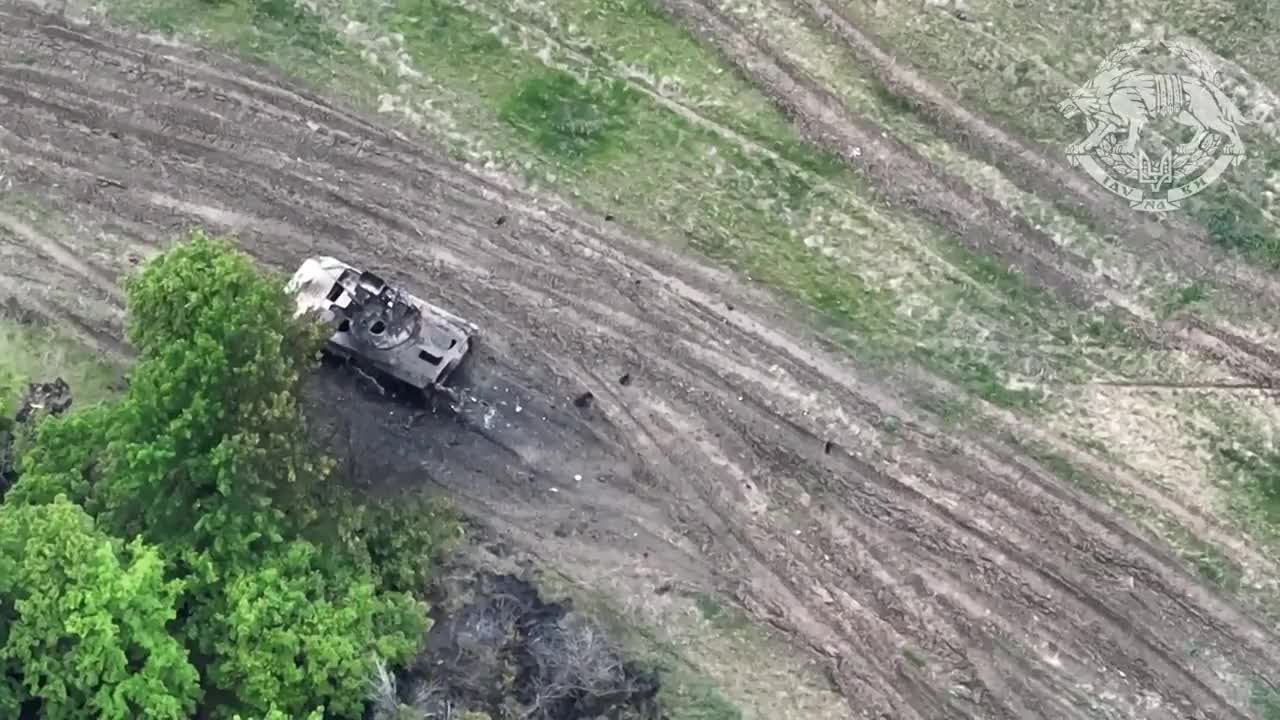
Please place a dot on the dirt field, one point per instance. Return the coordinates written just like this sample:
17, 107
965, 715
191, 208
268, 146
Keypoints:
942, 572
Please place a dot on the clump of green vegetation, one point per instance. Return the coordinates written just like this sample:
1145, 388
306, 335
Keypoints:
32, 354
565, 116
1267, 700
723, 618
890, 100
976, 372
695, 699
195, 558
444, 25
307, 29
1215, 567
1254, 470
1239, 225
915, 657
1185, 296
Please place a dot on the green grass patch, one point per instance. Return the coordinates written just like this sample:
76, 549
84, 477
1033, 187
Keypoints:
721, 617
1238, 224
1215, 567
565, 117
1185, 296
287, 17
1248, 473
445, 26
281, 33
32, 354
1267, 701
976, 374
1253, 470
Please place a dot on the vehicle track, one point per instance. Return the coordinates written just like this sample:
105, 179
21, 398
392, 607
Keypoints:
908, 179
1173, 238
713, 462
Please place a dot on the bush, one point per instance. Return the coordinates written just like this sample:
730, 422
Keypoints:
403, 538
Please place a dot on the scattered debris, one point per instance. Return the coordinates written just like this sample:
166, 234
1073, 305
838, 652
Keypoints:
54, 398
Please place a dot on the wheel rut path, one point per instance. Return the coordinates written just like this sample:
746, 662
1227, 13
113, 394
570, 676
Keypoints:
941, 574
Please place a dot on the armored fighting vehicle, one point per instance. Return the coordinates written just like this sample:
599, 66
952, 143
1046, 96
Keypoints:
396, 333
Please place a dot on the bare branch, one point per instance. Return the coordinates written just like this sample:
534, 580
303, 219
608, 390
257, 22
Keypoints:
382, 692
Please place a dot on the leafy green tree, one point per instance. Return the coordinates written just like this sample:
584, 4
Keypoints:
210, 427
290, 634
277, 714
212, 422
8, 452
62, 455
84, 619
290, 588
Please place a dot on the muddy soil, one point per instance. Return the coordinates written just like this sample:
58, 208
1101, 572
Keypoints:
943, 574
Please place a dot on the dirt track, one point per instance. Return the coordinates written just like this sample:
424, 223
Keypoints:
711, 464
907, 179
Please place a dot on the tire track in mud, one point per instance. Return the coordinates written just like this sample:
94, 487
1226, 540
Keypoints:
938, 544
838, 131
908, 179
1176, 238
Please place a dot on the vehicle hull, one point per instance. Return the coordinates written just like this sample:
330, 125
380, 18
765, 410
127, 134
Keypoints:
384, 327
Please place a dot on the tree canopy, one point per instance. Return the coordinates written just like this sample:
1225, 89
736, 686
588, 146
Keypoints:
84, 620
183, 548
